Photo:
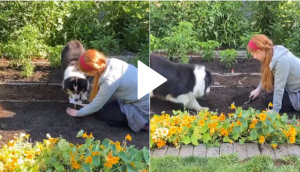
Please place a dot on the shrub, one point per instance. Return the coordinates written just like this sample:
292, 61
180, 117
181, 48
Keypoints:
228, 57
210, 129
245, 40
208, 50
57, 154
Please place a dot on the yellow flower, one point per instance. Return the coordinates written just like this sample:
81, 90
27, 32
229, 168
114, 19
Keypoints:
261, 139
102, 147
224, 132
29, 156
240, 115
201, 122
230, 141
27, 136
252, 126
214, 117
11, 143
232, 106
238, 122
263, 116
292, 139
274, 146
89, 160
128, 137
85, 135
231, 114
91, 135
270, 105
75, 165
222, 117
254, 121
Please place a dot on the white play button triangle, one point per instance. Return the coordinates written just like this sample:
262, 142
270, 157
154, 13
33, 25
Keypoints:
148, 79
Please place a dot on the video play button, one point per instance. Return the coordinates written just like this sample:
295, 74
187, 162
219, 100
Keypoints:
148, 79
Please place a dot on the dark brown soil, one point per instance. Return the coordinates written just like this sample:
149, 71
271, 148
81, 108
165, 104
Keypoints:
243, 65
240, 80
218, 100
38, 119
32, 92
42, 73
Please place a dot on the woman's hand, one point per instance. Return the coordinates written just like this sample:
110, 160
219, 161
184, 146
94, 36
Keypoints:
255, 93
72, 112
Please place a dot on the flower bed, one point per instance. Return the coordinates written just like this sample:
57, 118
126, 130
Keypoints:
56, 154
206, 127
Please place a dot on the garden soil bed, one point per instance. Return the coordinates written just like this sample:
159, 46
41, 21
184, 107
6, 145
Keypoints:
38, 119
42, 73
218, 100
244, 80
243, 65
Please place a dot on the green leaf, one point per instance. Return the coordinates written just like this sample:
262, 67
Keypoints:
242, 140
123, 168
63, 145
206, 137
146, 155
80, 133
278, 124
186, 140
174, 137
204, 129
226, 139
59, 167
129, 167
253, 135
139, 155
265, 130
271, 128
96, 160
217, 144
151, 141
194, 140
235, 135
284, 118
86, 167
88, 142
138, 165
123, 156
106, 143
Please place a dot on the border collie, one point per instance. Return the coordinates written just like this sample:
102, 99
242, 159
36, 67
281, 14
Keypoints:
185, 83
75, 83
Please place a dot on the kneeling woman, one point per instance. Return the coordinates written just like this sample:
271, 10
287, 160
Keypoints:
280, 72
118, 79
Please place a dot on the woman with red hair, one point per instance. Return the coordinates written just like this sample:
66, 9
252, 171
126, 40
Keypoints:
117, 79
280, 72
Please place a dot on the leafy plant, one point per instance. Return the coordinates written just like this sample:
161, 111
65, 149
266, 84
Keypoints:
54, 56
208, 49
57, 154
181, 39
210, 129
27, 68
154, 43
228, 57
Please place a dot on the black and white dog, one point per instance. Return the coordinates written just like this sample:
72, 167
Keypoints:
185, 83
75, 83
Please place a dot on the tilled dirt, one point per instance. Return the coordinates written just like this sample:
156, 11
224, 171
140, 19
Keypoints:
32, 92
243, 65
38, 119
42, 73
240, 80
218, 100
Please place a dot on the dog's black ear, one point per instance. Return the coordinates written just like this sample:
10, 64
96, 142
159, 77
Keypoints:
208, 78
82, 84
68, 83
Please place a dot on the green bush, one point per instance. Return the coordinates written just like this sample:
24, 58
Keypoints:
208, 53
228, 57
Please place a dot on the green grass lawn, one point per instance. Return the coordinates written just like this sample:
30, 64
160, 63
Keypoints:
228, 163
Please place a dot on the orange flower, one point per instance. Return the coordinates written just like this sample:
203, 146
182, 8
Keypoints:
252, 126
201, 122
222, 117
85, 135
128, 137
29, 156
263, 116
89, 160
232, 106
240, 115
91, 135
292, 139
261, 139
254, 121
11, 143
231, 114
274, 146
238, 122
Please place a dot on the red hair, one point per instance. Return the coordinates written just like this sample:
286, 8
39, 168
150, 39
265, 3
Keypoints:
93, 63
263, 43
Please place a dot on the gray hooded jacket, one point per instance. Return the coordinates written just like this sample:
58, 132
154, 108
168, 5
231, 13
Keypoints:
119, 80
286, 70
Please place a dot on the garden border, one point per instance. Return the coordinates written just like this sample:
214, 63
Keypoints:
240, 53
